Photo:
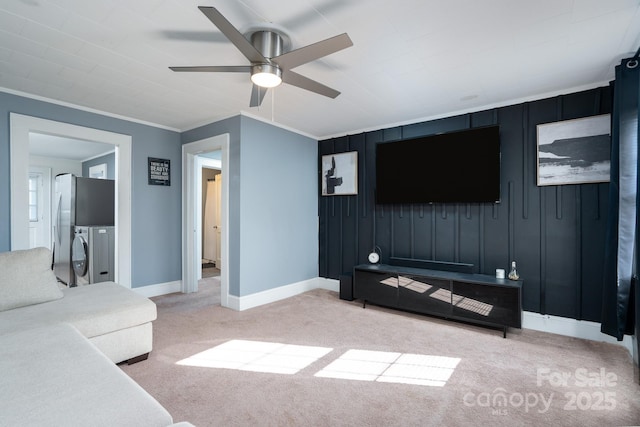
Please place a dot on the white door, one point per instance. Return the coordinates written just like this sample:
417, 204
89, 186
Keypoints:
217, 217
39, 207
209, 246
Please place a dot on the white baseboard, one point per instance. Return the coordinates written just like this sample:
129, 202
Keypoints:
282, 292
159, 289
535, 321
571, 328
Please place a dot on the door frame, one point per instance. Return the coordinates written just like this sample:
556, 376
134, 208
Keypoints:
20, 127
191, 227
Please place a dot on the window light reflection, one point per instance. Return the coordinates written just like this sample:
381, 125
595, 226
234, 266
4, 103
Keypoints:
401, 368
257, 356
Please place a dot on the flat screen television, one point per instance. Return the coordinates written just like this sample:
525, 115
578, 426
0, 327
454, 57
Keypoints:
453, 167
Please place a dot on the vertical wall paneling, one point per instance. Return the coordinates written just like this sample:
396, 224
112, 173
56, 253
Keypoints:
481, 255
578, 249
555, 233
558, 202
456, 234
510, 216
527, 160
393, 234
543, 250
412, 234
433, 230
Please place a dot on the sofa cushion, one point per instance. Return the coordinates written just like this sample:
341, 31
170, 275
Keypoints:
26, 278
53, 376
96, 309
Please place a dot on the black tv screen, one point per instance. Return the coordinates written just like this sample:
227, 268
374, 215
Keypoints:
453, 167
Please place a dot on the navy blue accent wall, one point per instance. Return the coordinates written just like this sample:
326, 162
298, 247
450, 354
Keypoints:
554, 233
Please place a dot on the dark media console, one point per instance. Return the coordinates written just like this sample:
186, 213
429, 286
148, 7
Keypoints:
469, 297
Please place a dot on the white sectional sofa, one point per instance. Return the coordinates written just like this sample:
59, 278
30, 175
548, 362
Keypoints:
59, 349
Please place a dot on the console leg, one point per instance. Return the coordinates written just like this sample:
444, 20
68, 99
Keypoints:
504, 332
364, 303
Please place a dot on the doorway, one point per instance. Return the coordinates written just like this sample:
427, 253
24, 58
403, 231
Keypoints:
193, 159
211, 208
21, 127
208, 206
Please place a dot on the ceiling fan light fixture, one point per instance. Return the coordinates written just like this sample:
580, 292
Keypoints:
266, 75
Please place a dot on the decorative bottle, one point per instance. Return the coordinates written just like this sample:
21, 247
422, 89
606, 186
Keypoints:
513, 274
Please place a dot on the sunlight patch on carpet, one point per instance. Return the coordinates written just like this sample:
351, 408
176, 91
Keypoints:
257, 356
404, 368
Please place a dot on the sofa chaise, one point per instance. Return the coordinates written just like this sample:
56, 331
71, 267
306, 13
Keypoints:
59, 348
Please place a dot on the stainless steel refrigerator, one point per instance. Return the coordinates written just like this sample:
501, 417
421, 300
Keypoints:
79, 202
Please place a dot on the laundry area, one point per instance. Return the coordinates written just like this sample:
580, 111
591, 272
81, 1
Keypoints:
84, 232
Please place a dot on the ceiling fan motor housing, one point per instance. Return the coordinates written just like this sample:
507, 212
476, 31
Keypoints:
268, 43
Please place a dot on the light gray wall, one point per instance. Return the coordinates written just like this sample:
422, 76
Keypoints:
156, 211
232, 174
273, 204
273, 215
109, 159
279, 215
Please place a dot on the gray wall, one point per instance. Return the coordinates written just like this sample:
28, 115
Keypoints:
279, 216
272, 200
156, 211
232, 174
109, 159
273, 204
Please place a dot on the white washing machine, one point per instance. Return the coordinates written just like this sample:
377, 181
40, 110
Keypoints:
92, 254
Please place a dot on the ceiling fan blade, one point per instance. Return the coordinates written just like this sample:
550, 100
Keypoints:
234, 36
313, 51
306, 83
257, 95
216, 68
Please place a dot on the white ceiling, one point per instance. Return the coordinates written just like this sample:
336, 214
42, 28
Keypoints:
411, 59
66, 148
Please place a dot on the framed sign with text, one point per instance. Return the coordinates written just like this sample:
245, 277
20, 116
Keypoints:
159, 171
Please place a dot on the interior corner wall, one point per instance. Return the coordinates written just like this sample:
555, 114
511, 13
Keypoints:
153, 260
279, 215
554, 233
232, 127
273, 207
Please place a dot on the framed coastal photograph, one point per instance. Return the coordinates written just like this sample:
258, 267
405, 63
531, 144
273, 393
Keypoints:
340, 174
574, 151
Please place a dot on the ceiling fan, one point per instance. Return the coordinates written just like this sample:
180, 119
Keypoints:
270, 65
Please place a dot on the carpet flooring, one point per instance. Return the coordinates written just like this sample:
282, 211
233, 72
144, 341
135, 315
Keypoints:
210, 271
315, 360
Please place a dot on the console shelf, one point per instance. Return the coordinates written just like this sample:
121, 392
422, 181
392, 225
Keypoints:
474, 298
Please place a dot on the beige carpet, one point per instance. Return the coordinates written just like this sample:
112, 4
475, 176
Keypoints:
210, 271
530, 378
